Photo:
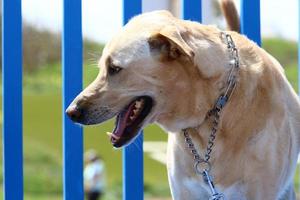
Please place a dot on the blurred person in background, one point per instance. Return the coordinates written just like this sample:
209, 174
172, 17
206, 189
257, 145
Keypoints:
94, 176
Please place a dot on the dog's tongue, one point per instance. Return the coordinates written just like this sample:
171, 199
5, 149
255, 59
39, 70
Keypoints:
121, 122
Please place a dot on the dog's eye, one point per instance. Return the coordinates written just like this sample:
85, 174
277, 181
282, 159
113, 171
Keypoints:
112, 69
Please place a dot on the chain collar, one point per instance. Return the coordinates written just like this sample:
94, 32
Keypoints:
202, 166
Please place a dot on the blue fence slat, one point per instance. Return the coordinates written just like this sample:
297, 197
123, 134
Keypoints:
133, 162
250, 19
72, 85
192, 10
12, 99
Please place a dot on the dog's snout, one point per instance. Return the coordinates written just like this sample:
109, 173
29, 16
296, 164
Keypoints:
74, 113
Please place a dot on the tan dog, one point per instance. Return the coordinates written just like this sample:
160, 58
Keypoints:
160, 69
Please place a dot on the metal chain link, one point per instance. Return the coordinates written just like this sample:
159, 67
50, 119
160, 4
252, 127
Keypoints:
212, 137
200, 164
214, 113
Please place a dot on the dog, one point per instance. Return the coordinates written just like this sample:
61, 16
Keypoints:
164, 70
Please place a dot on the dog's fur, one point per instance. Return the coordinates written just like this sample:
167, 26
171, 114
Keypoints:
183, 66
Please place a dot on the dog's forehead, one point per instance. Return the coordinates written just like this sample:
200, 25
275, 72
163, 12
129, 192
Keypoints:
128, 46
125, 53
131, 43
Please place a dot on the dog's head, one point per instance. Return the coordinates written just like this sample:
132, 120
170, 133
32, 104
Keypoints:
147, 74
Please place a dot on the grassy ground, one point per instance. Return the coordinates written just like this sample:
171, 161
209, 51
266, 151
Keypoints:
43, 135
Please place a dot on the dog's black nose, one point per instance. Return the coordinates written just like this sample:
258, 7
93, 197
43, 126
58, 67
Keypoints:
74, 113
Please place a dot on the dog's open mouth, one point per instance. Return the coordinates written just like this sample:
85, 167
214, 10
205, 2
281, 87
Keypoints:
130, 120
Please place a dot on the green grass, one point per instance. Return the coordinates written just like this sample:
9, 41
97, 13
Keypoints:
47, 80
285, 51
297, 178
291, 73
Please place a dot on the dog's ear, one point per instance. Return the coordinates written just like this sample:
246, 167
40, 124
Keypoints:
170, 45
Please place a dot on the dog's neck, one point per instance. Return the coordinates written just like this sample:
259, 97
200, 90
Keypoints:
245, 111
242, 118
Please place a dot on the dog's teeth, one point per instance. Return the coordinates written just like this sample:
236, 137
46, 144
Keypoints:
109, 134
138, 104
131, 117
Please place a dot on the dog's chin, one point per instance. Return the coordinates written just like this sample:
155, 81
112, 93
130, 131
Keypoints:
96, 118
130, 120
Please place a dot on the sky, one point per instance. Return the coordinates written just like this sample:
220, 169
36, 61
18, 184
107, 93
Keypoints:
101, 19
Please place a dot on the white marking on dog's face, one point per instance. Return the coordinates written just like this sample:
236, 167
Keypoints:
129, 53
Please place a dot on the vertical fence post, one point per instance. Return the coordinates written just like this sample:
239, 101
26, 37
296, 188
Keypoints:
72, 85
12, 99
133, 162
250, 19
191, 10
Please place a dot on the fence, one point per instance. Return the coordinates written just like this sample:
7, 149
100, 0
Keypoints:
72, 84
